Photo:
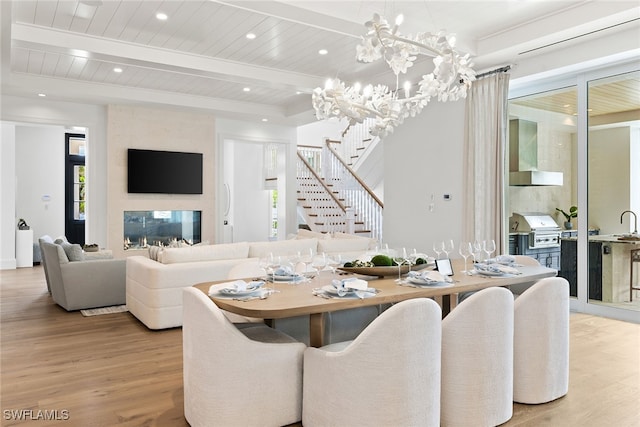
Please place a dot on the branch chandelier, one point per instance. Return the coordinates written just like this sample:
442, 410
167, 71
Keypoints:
449, 81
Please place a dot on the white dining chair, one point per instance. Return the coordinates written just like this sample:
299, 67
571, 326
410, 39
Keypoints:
233, 377
541, 342
389, 375
477, 360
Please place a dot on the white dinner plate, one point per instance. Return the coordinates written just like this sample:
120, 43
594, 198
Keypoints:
422, 282
490, 273
287, 278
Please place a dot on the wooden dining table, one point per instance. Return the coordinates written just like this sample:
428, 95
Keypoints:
297, 299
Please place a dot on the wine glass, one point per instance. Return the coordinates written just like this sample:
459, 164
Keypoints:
333, 261
476, 251
319, 262
447, 247
274, 264
489, 247
465, 252
263, 263
400, 257
306, 259
437, 249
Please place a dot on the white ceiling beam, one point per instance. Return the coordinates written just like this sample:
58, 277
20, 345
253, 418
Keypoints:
573, 22
46, 39
74, 90
299, 15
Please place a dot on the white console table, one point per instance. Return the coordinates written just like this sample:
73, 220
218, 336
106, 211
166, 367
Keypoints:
24, 248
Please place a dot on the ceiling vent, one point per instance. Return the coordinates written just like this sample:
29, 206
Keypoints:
523, 156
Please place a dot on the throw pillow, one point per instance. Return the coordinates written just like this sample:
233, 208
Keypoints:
153, 252
74, 251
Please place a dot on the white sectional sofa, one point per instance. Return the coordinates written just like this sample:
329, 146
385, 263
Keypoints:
154, 287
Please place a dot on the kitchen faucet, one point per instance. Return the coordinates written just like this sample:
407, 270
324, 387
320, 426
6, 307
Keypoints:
635, 220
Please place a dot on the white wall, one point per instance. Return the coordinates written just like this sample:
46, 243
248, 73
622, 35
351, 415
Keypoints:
19, 111
316, 133
40, 176
609, 179
635, 171
422, 159
8, 206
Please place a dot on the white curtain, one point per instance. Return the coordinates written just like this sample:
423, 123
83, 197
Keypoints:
484, 151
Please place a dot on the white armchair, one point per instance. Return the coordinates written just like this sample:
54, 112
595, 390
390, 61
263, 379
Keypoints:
233, 377
541, 342
76, 285
388, 376
477, 360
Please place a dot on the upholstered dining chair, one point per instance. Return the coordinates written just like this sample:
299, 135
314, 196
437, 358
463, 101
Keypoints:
388, 375
477, 360
541, 342
237, 377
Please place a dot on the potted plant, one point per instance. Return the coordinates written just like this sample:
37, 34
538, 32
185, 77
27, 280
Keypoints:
573, 213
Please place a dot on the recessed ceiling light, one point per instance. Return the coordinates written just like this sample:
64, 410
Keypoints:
323, 51
265, 120
161, 16
117, 70
42, 95
250, 36
247, 89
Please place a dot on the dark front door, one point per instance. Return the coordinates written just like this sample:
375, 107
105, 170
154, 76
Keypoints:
75, 188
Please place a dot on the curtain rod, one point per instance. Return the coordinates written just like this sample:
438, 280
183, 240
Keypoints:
497, 70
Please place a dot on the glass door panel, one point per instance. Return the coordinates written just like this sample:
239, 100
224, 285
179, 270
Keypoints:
613, 107
552, 148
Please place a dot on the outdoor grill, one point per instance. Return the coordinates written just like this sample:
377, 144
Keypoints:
542, 230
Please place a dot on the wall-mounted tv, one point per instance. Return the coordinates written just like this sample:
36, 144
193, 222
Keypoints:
168, 172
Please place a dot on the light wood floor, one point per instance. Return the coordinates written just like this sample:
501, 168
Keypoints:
111, 370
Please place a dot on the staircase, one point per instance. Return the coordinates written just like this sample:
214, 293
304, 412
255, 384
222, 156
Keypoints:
331, 197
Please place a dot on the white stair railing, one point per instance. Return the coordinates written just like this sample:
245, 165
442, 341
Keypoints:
354, 141
327, 211
368, 208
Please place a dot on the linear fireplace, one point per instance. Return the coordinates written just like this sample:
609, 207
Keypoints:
145, 228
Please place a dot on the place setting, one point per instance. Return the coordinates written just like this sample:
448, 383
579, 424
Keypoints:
429, 278
241, 290
351, 288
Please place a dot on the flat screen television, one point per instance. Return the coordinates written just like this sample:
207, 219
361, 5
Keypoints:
168, 172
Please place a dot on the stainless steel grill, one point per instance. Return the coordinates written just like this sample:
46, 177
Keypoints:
543, 231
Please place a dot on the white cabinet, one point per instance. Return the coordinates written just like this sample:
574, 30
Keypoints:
24, 248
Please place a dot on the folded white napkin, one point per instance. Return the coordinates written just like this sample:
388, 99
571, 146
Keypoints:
496, 268
352, 284
285, 270
236, 286
430, 276
502, 259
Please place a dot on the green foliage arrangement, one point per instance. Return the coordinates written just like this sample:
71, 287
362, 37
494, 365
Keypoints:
573, 213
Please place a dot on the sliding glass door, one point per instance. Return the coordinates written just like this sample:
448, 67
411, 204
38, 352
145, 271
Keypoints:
589, 129
613, 107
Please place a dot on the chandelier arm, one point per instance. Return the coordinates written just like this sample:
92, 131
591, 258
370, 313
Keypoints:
386, 34
431, 50
367, 109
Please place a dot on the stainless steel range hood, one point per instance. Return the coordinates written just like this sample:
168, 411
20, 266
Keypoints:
523, 156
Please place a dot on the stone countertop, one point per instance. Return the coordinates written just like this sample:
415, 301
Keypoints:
613, 238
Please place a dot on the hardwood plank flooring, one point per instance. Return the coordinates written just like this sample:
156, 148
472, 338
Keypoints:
111, 370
